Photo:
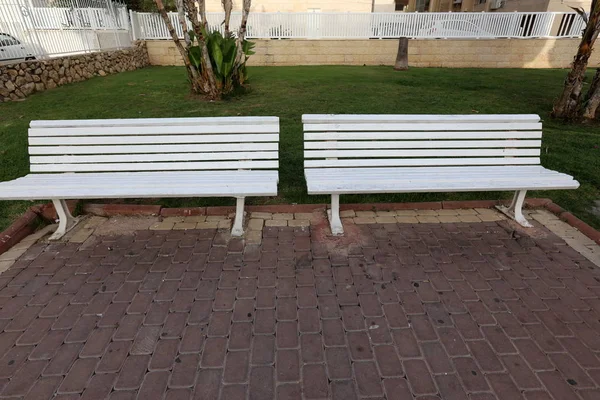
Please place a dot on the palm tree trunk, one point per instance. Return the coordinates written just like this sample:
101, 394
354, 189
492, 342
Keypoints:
209, 80
592, 106
227, 7
242, 32
402, 55
568, 105
183, 23
191, 71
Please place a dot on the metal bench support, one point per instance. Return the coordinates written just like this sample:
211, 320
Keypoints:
238, 229
66, 221
514, 211
334, 216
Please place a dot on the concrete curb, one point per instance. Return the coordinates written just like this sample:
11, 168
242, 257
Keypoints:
26, 224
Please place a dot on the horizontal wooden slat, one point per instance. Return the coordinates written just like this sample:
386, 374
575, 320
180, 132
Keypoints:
159, 148
406, 178
153, 130
427, 172
144, 178
81, 190
407, 175
113, 192
128, 140
118, 158
424, 186
420, 162
321, 136
172, 177
421, 153
202, 183
158, 166
422, 144
374, 127
155, 121
412, 118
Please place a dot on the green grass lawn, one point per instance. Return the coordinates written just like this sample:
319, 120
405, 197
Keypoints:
289, 92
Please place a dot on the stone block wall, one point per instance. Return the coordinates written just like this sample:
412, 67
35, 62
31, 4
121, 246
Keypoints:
451, 53
17, 81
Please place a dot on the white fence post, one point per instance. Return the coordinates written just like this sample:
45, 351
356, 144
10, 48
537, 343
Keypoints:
132, 26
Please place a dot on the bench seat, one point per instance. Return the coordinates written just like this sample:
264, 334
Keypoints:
359, 154
120, 185
440, 179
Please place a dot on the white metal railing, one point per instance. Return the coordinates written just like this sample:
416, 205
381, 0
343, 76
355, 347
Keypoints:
380, 25
60, 28
79, 18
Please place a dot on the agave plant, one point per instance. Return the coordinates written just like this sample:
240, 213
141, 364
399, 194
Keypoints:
223, 53
215, 62
248, 50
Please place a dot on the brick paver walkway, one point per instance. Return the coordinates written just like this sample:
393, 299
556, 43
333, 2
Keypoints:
399, 311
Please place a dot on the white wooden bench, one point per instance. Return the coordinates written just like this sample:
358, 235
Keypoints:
149, 158
347, 154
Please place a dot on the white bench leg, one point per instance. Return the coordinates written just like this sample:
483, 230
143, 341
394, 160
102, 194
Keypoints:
66, 221
334, 216
238, 222
514, 210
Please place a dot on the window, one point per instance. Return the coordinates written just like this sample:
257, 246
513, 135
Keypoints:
399, 5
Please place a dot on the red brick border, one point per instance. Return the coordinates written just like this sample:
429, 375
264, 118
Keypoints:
581, 226
26, 224
107, 210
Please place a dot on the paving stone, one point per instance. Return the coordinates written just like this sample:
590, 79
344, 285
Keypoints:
263, 350
261, 383
241, 336
276, 222
164, 354
184, 371
193, 339
311, 348
99, 386
25, 378
77, 378
214, 352
288, 365
236, 367
418, 377
367, 379
114, 357
450, 387
132, 373
396, 388
315, 381
44, 388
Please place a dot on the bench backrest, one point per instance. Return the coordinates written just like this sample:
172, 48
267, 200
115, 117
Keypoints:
339, 141
155, 144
